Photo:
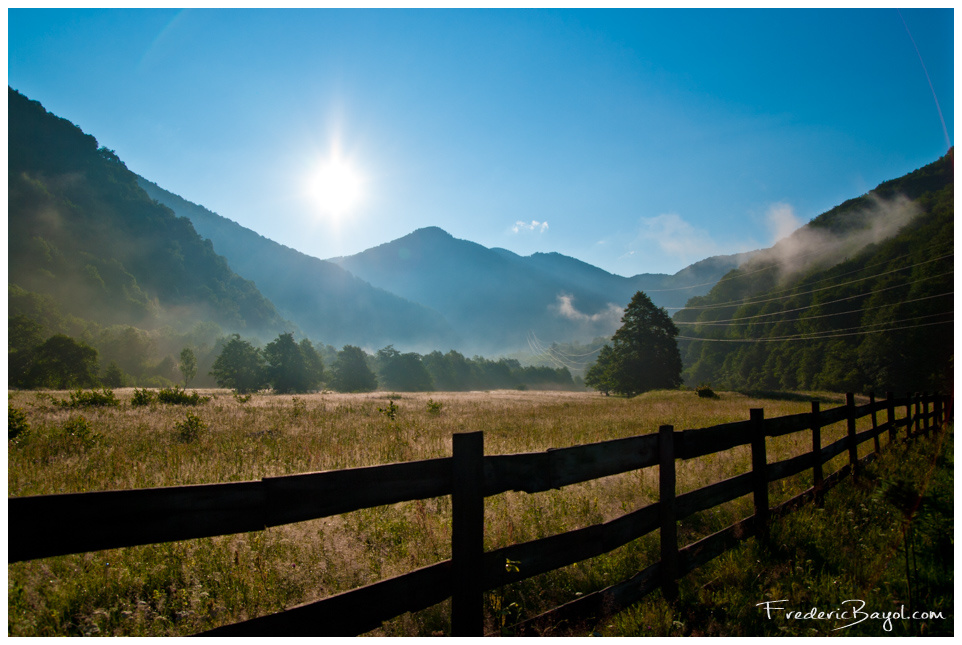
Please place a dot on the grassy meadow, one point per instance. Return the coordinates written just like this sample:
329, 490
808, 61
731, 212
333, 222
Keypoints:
181, 588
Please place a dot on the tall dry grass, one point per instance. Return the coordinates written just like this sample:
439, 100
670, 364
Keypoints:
184, 587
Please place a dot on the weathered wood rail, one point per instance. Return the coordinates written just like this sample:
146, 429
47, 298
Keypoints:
111, 519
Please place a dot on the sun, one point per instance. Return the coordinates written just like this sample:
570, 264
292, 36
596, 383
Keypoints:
335, 187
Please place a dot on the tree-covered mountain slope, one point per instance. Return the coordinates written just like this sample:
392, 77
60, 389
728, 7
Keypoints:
86, 240
858, 299
327, 302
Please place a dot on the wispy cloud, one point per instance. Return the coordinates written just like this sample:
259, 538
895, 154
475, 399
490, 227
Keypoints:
675, 237
781, 221
535, 226
807, 247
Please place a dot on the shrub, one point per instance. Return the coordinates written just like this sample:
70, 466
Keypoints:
190, 428
705, 392
178, 396
17, 425
78, 428
91, 399
390, 411
434, 407
142, 397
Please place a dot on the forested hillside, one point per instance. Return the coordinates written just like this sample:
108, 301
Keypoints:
859, 299
92, 256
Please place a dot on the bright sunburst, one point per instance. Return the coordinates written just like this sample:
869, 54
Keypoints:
336, 187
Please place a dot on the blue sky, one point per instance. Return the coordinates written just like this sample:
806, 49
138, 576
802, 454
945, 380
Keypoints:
635, 140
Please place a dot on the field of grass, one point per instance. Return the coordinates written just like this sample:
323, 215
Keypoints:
184, 587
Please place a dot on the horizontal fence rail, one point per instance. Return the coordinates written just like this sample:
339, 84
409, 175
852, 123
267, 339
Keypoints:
112, 519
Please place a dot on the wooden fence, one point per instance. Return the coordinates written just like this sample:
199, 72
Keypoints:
110, 519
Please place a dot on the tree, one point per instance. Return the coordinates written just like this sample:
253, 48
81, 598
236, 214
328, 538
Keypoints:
113, 376
351, 372
188, 365
24, 336
643, 355
239, 366
287, 366
62, 363
315, 364
404, 372
600, 375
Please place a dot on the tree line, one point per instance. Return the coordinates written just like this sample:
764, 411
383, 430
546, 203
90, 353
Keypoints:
286, 366
283, 366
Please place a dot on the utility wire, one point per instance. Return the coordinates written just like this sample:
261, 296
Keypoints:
813, 337
805, 293
730, 322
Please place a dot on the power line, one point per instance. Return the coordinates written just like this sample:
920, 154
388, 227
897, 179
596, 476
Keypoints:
730, 322
815, 337
805, 293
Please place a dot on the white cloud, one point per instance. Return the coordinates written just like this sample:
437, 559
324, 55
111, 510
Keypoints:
534, 226
566, 308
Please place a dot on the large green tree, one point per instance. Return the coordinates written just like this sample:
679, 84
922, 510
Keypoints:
62, 363
289, 369
351, 372
643, 354
239, 366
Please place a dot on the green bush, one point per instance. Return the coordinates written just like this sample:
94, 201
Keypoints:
17, 425
178, 396
190, 428
142, 397
434, 407
78, 428
705, 392
390, 411
92, 399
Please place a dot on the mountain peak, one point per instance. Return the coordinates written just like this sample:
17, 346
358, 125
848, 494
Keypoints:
432, 232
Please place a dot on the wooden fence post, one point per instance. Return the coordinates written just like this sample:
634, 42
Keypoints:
908, 416
918, 412
817, 453
667, 512
925, 413
852, 447
467, 535
759, 473
878, 446
890, 414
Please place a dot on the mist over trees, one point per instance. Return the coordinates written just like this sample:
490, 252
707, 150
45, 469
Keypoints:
877, 317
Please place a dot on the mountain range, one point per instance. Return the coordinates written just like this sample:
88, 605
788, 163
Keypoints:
429, 290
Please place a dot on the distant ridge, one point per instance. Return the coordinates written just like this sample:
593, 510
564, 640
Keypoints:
498, 298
